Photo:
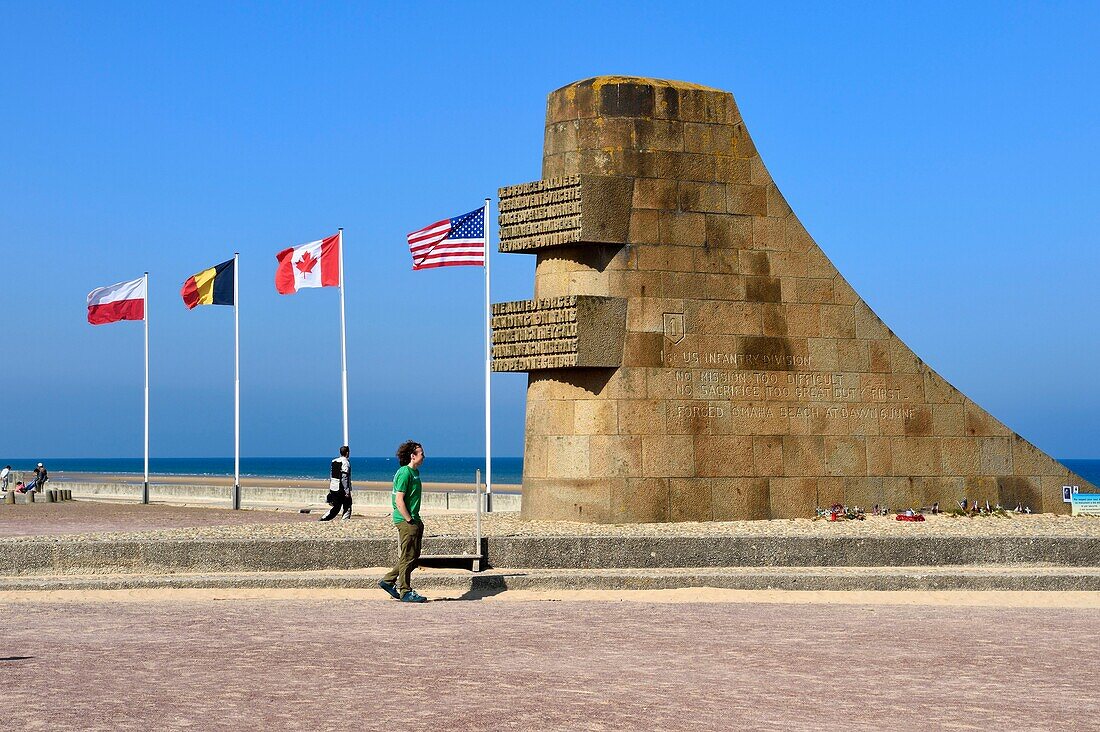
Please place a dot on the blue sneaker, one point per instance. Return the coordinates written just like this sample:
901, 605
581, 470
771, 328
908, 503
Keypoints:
390, 589
413, 596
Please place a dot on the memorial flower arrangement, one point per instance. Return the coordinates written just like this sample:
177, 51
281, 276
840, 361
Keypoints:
839, 512
976, 508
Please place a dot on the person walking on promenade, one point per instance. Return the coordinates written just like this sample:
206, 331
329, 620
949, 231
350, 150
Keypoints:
339, 487
4, 478
406, 517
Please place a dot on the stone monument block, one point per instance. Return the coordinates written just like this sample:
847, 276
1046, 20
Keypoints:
572, 210
574, 331
693, 355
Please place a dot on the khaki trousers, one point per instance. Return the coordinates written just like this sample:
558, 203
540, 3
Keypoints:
410, 537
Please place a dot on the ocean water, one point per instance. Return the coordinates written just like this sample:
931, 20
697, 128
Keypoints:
1087, 469
506, 470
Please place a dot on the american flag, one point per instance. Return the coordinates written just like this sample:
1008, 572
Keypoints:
450, 242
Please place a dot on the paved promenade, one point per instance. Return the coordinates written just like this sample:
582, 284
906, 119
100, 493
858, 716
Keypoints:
355, 661
96, 517
516, 650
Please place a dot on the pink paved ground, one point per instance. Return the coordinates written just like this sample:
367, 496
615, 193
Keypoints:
348, 665
77, 517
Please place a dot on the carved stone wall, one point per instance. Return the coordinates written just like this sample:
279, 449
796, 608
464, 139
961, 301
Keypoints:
562, 332
694, 355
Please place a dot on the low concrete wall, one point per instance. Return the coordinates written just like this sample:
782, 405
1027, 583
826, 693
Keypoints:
111, 557
792, 551
432, 500
50, 556
19, 476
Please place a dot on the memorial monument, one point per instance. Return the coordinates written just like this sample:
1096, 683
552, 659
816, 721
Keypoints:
692, 353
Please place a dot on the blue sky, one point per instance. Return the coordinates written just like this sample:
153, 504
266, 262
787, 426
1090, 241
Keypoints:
945, 156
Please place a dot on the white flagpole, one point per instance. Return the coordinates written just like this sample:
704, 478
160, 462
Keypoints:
343, 340
488, 369
236, 383
145, 486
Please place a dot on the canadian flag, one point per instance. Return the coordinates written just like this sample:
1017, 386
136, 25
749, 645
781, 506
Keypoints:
316, 264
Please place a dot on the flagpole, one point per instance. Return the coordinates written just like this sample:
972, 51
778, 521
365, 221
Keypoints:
343, 340
236, 383
145, 485
488, 369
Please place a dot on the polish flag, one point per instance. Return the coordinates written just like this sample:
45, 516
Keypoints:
122, 301
316, 264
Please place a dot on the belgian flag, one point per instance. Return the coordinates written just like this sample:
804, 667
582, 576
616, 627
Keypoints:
212, 286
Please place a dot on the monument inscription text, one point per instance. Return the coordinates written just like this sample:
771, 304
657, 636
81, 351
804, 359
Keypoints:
787, 394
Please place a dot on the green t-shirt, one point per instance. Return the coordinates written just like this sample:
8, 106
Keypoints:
407, 481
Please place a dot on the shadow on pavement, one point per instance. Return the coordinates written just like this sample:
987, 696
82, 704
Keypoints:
482, 587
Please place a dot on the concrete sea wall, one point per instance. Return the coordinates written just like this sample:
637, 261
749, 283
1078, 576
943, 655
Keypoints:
432, 500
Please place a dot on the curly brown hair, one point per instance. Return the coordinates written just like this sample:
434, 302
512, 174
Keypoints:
406, 450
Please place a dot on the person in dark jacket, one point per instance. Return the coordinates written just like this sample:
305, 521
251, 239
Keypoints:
339, 487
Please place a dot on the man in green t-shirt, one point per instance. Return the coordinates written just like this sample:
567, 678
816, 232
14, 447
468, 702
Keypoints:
406, 516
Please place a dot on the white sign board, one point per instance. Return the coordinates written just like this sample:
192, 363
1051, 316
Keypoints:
1086, 504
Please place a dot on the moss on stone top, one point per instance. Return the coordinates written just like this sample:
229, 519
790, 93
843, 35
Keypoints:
596, 82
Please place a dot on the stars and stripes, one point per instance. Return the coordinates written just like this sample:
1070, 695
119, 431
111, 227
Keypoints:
451, 242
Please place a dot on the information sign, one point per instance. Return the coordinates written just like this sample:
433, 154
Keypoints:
1086, 504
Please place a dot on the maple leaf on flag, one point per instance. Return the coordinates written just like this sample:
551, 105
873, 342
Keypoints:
306, 264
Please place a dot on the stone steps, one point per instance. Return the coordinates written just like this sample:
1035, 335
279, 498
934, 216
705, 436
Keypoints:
967, 578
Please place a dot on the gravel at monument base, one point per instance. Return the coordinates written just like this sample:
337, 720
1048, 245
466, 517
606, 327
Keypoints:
89, 520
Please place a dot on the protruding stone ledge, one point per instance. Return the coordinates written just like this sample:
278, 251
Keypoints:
576, 331
565, 211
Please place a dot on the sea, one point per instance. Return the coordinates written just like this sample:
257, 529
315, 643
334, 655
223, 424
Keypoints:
1087, 469
506, 470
